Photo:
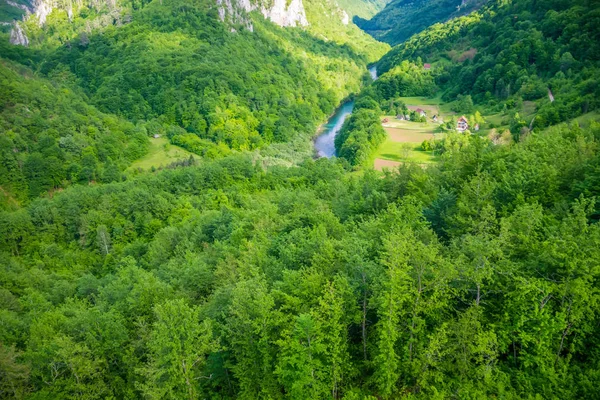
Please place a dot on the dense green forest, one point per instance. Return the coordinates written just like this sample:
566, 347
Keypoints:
175, 70
256, 271
13, 10
477, 278
364, 9
512, 51
400, 19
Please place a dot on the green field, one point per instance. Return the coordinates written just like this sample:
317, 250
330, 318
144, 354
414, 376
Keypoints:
405, 137
160, 154
404, 152
585, 119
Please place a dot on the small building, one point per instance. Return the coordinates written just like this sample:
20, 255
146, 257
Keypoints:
156, 136
421, 112
426, 66
385, 120
462, 124
435, 118
476, 127
400, 117
407, 117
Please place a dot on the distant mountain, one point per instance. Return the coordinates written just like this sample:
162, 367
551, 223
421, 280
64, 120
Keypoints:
400, 19
362, 8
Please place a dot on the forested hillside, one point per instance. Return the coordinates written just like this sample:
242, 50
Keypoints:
514, 51
530, 64
51, 137
362, 8
174, 70
11, 10
400, 19
252, 270
475, 279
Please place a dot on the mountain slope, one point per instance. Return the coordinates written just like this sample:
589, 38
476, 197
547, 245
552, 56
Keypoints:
362, 8
11, 10
515, 51
208, 81
51, 138
525, 64
400, 19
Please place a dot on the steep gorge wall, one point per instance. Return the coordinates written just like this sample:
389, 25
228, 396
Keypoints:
281, 12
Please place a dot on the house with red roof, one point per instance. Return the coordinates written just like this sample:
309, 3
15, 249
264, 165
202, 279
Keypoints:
426, 66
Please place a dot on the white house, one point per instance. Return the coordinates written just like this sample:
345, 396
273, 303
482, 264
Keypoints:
462, 124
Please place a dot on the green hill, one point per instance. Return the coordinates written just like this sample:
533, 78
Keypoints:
362, 8
167, 233
510, 52
400, 19
174, 69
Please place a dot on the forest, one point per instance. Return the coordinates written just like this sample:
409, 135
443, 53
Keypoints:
400, 19
511, 51
255, 270
477, 278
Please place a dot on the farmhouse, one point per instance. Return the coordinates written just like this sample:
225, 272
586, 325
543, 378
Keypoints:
426, 66
400, 117
421, 112
462, 124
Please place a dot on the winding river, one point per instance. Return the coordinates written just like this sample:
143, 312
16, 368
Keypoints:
325, 142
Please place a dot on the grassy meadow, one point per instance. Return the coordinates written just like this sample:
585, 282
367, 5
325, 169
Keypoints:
160, 154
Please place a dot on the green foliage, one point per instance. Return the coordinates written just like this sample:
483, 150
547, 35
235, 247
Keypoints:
474, 277
360, 136
178, 347
162, 68
400, 19
513, 51
50, 137
405, 80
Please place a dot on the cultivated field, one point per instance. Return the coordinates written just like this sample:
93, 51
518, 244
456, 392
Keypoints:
405, 137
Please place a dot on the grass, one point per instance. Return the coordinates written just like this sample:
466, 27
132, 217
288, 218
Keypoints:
405, 152
405, 137
443, 108
160, 154
586, 119
404, 141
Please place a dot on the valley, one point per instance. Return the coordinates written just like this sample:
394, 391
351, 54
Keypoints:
247, 199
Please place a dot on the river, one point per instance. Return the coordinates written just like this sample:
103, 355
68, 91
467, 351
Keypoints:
325, 142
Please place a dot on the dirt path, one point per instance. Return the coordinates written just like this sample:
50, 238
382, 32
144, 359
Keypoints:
380, 164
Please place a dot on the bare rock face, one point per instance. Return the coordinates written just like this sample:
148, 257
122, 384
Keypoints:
279, 12
234, 11
286, 15
18, 36
345, 18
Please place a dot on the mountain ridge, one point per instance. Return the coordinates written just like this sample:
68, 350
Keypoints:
400, 19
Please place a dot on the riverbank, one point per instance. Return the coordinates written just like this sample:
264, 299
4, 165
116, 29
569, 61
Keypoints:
324, 138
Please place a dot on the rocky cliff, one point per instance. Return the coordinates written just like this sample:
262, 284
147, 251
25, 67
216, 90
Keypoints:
18, 36
278, 11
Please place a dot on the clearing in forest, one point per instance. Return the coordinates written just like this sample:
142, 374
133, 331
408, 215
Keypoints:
405, 137
160, 154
